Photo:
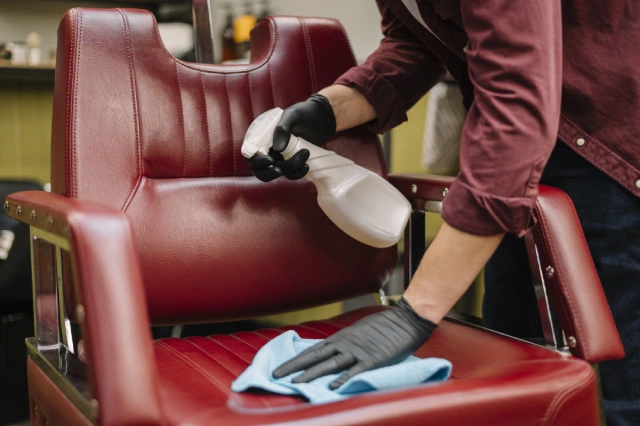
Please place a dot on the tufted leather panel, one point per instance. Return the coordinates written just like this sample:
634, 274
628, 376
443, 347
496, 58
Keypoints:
160, 139
520, 383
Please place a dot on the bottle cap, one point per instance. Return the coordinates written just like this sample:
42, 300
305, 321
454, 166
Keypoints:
259, 137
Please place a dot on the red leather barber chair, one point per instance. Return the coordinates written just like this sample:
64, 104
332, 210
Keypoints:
156, 219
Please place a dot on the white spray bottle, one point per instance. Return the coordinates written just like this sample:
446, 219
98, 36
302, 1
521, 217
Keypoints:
358, 201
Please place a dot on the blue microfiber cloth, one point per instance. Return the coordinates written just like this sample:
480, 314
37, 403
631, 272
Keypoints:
411, 371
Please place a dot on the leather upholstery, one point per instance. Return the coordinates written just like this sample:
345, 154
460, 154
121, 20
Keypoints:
48, 405
499, 382
582, 307
160, 139
155, 141
116, 327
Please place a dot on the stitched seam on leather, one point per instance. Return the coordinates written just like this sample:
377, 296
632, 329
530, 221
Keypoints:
191, 66
134, 100
68, 106
311, 328
267, 404
582, 343
244, 341
76, 60
181, 118
206, 121
233, 147
253, 115
248, 361
273, 92
557, 402
196, 367
259, 333
312, 66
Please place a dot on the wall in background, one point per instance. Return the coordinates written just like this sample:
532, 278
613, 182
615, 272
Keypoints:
25, 129
18, 18
360, 18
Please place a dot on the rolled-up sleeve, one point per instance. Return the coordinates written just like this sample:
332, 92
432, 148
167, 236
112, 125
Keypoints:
515, 64
396, 75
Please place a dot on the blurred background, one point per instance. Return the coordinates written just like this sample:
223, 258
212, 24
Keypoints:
27, 65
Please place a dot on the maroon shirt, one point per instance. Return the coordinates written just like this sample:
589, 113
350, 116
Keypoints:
515, 61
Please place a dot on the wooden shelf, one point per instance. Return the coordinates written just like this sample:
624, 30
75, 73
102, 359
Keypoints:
12, 72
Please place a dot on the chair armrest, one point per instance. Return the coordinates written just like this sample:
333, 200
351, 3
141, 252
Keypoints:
116, 329
560, 261
571, 275
420, 189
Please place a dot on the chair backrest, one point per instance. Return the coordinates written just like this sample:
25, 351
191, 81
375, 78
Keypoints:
160, 139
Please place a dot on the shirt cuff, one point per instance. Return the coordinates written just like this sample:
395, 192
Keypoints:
478, 213
383, 97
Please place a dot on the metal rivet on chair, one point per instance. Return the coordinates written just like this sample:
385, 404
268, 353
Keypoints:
572, 342
445, 192
6, 206
94, 403
550, 271
33, 216
49, 222
414, 189
580, 142
19, 211
79, 311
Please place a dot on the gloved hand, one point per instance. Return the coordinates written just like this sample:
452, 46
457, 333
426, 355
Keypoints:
378, 340
312, 120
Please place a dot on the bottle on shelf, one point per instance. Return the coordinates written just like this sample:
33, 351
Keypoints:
242, 27
265, 10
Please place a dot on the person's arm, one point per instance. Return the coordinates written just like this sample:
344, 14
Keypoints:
396, 75
515, 64
350, 107
447, 270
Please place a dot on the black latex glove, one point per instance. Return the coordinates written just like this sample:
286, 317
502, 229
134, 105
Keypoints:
312, 120
375, 341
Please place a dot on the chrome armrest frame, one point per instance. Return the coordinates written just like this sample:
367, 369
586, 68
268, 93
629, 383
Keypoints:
52, 348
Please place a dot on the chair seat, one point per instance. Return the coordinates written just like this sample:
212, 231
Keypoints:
495, 381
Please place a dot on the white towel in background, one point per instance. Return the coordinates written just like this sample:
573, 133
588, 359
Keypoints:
445, 118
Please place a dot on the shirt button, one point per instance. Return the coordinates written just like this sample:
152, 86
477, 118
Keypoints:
580, 142
638, 184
